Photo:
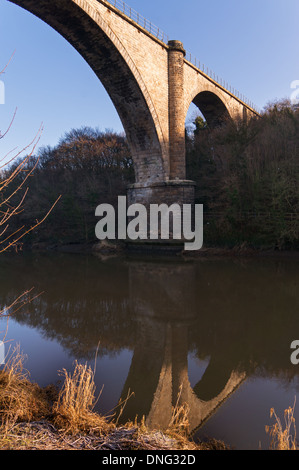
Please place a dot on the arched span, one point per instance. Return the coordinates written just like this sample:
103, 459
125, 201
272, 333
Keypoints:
81, 24
212, 108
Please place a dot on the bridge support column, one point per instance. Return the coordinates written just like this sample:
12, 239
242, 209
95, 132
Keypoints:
167, 192
175, 189
177, 152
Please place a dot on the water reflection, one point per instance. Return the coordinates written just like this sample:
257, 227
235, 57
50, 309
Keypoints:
238, 317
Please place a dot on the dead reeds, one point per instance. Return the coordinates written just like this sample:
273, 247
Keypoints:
36, 418
74, 409
20, 400
283, 434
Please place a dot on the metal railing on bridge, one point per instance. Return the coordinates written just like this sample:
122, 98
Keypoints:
207, 71
162, 36
139, 19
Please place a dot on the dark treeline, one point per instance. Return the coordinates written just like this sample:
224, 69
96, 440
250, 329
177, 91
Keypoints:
247, 178
86, 168
246, 175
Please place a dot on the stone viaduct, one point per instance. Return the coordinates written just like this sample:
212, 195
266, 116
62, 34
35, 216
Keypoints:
151, 84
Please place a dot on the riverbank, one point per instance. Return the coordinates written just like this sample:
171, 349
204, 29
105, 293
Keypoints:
35, 418
107, 248
42, 435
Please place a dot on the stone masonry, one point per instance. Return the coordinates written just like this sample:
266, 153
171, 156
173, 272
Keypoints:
151, 85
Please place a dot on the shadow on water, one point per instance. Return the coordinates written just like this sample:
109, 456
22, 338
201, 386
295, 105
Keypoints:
238, 318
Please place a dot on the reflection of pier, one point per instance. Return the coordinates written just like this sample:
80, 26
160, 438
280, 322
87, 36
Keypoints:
159, 370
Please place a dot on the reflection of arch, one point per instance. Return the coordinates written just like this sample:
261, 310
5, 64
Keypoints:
201, 410
159, 370
216, 391
212, 107
81, 24
159, 376
214, 379
150, 378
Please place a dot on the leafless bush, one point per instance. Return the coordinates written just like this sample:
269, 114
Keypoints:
12, 197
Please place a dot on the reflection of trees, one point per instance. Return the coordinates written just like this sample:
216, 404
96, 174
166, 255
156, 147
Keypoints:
84, 302
253, 314
242, 317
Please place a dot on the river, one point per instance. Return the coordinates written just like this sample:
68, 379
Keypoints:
216, 332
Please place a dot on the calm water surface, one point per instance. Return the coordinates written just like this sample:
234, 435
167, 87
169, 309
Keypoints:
217, 331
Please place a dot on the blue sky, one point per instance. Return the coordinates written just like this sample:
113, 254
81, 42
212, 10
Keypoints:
253, 45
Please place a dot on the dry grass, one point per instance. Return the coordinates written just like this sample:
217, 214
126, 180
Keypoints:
74, 409
19, 398
34, 418
74, 414
178, 427
179, 422
283, 436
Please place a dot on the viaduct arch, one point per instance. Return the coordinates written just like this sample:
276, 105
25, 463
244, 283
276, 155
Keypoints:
151, 84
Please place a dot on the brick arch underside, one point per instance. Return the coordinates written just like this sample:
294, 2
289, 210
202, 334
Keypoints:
82, 26
212, 108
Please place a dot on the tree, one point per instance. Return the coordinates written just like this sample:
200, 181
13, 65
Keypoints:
87, 167
12, 198
247, 175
